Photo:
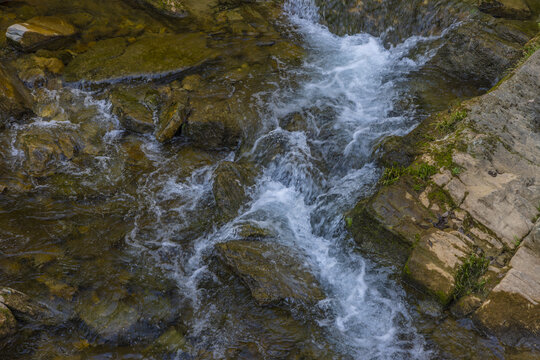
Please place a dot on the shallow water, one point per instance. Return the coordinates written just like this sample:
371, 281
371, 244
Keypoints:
121, 245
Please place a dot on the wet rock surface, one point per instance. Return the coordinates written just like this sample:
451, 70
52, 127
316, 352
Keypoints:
271, 272
131, 136
15, 100
149, 57
40, 32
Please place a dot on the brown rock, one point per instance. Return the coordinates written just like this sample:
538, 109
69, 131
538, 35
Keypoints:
172, 116
40, 32
509, 9
15, 100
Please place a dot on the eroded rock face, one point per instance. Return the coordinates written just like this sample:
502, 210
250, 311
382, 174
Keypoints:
476, 46
40, 32
272, 272
182, 8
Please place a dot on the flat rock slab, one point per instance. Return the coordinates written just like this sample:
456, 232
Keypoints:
150, 57
39, 32
271, 272
512, 309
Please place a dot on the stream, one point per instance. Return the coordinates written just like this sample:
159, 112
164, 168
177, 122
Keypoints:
132, 263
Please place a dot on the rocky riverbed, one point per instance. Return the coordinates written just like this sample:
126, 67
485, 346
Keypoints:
235, 179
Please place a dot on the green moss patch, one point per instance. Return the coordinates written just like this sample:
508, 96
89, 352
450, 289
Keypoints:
467, 278
419, 173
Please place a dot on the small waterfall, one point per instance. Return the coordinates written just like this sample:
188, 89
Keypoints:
346, 102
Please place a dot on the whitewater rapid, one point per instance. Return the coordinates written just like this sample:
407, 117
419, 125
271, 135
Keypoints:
347, 92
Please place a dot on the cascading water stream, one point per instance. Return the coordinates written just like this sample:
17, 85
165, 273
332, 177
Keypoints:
346, 97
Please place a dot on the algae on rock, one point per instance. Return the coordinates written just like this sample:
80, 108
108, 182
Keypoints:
149, 57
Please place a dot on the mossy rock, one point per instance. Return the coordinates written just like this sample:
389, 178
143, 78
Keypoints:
509, 9
149, 57
130, 106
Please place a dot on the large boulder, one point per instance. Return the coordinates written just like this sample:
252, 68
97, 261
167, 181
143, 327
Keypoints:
272, 272
149, 57
15, 100
40, 32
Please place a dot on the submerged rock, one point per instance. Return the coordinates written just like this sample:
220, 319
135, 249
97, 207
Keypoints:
34, 69
116, 315
44, 148
15, 99
40, 32
170, 342
272, 272
510, 9
23, 307
149, 57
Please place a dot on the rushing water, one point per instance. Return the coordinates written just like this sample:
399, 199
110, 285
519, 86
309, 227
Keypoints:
318, 125
346, 94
